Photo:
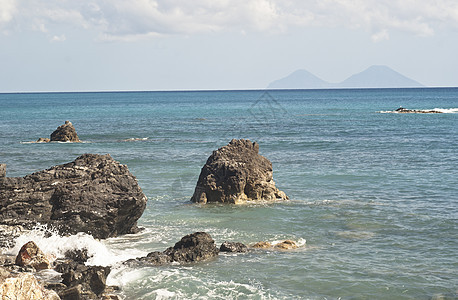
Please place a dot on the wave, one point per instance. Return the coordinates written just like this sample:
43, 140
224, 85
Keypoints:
437, 110
54, 246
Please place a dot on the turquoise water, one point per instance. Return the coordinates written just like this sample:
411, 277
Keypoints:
374, 196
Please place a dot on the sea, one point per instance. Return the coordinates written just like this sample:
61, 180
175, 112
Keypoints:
373, 196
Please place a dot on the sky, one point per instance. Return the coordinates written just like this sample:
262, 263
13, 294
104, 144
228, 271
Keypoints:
122, 45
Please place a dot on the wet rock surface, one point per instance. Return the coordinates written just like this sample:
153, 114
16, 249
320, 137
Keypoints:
237, 173
93, 194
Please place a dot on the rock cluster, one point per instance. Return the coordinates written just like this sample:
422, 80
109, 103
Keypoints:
403, 110
237, 173
78, 280
93, 194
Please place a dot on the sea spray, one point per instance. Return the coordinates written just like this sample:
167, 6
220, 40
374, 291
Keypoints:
55, 246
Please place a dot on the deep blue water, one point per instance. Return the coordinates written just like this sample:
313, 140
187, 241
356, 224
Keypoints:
375, 195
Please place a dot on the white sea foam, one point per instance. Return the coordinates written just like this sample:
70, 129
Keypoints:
442, 110
54, 246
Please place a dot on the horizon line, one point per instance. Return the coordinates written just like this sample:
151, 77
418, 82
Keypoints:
224, 90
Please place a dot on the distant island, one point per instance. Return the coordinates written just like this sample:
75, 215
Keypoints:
372, 77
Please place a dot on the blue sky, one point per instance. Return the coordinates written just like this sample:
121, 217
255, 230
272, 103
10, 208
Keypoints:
68, 45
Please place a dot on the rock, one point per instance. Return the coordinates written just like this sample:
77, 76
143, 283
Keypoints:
283, 245
43, 140
78, 255
236, 173
65, 133
233, 247
286, 245
93, 194
157, 258
262, 245
2, 170
8, 234
194, 247
31, 255
25, 286
403, 110
198, 246
85, 281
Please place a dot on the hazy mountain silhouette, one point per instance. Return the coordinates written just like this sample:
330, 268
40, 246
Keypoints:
300, 79
372, 77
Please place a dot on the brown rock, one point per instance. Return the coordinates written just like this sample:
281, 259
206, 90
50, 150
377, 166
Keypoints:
236, 173
25, 286
286, 245
31, 255
43, 140
262, 245
65, 133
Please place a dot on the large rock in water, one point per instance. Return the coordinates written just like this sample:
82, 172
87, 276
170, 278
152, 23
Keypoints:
236, 173
65, 133
93, 194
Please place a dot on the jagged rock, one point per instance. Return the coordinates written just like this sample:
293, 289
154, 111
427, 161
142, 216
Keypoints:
31, 255
193, 247
236, 173
2, 170
85, 280
78, 255
93, 194
233, 247
25, 286
65, 133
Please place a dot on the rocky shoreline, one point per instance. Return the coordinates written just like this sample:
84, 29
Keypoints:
97, 195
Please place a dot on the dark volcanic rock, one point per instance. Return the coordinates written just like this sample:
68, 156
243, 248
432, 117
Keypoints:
193, 247
90, 278
236, 173
93, 194
233, 247
65, 133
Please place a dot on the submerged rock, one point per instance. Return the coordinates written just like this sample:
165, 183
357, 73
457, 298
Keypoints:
93, 194
236, 173
31, 255
65, 133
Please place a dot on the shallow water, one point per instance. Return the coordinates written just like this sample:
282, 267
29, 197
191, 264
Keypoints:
373, 196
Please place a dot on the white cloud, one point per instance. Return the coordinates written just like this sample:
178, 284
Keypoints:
58, 38
7, 11
127, 20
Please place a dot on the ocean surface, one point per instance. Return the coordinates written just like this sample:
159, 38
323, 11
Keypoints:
373, 196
